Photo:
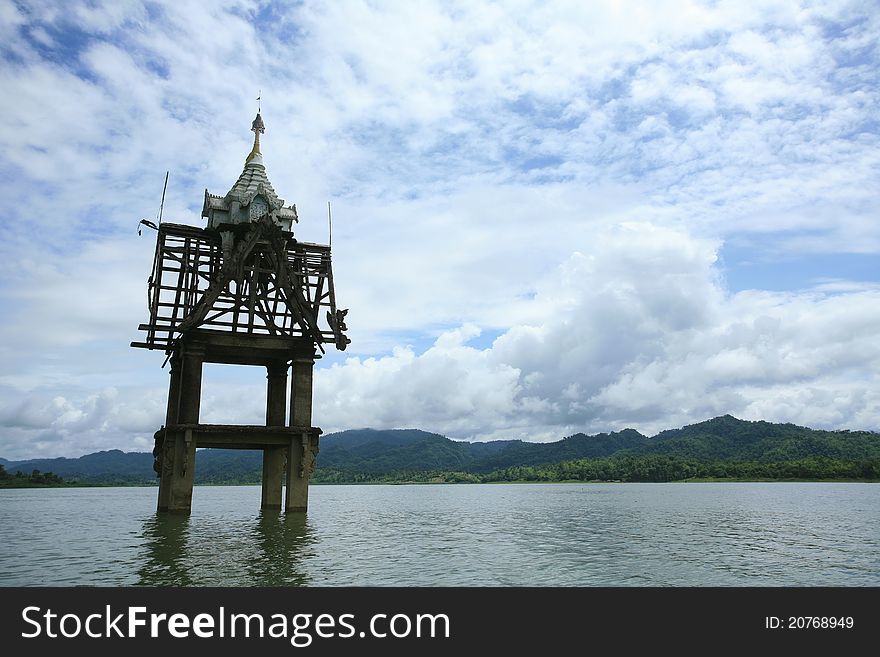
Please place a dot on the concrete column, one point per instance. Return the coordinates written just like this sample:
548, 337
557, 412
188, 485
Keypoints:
191, 386
301, 392
183, 471
300, 455
276, 394
168, 444
276, 413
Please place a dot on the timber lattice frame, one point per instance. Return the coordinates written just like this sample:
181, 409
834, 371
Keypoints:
249, 294
270, 284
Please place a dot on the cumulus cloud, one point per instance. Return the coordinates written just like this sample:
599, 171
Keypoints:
558, 178
637, 331
69, 426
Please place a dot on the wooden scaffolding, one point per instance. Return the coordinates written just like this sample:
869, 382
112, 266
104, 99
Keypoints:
254, 296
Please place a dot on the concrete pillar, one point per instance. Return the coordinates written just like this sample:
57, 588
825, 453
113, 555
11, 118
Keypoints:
276, 413
191, 386
171, 415
184, 466
300, 454
301, 392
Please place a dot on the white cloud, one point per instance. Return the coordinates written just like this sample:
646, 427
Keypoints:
468, 149
636, 331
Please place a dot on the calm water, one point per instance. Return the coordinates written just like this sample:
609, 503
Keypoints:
484, 535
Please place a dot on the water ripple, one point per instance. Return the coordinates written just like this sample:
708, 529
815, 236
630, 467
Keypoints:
465, 535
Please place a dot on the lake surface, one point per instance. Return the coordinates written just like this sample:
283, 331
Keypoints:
737, 534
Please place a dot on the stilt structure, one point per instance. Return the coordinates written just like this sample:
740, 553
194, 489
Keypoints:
241, 291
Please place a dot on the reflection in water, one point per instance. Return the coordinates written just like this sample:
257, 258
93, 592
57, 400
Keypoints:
283, 541
165, 536
264, 551
450, 535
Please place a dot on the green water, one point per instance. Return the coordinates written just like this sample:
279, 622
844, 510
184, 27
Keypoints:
741, 534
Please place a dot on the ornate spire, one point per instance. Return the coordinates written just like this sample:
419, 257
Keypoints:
252, 195
257, 127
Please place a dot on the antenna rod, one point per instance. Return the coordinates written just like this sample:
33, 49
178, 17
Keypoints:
162, 204
330, 225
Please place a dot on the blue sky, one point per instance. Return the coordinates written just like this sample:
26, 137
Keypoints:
548, 217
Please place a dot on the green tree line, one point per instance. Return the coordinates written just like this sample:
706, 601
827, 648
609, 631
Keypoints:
642, 468
22, 480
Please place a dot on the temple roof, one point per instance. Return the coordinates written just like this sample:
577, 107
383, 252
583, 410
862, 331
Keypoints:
252, 182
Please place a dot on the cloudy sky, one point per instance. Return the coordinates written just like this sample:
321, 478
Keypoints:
548, 217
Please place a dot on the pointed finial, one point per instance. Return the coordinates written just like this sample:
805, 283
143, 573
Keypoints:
257, 127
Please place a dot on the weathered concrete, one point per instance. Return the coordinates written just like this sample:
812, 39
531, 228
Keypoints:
181, 446
276, 415
288, 441
276, 394
243, 436
183, 472
167, 447
274, 459
191, 385
303, 448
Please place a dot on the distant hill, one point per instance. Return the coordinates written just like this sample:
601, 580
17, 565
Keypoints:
100, 467
727, 438
368, 453
578, 446
117, 467
369, 450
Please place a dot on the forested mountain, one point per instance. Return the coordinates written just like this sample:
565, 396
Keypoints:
729, 438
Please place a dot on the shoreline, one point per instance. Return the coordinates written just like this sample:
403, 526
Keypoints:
469, 483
